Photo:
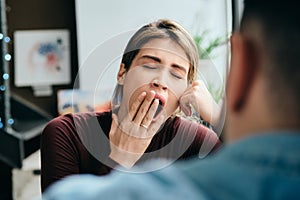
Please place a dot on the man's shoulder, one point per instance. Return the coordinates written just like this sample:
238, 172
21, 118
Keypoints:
161, 184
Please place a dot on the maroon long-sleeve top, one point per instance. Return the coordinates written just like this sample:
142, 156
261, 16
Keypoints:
79, 144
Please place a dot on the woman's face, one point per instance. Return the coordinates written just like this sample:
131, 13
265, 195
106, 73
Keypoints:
160, 66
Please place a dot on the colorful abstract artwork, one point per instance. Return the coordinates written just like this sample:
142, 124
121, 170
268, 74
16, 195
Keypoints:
42, 57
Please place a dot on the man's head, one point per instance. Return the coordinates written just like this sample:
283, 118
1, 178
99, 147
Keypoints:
264, 82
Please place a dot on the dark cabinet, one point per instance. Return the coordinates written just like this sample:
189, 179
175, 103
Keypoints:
22, 114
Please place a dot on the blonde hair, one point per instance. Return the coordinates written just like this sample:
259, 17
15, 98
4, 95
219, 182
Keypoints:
168, 29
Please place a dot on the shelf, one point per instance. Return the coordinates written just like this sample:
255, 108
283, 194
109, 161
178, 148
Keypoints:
22, 137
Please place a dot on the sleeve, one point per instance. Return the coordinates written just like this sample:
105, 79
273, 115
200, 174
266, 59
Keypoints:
205, 141
59, 155
209, 141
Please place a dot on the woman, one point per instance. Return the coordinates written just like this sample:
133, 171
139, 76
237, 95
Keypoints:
156, 79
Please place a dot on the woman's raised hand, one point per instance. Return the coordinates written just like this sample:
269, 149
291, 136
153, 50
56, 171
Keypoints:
130, 137
199, 97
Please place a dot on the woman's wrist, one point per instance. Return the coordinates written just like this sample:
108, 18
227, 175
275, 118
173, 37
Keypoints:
124, 158
215, 115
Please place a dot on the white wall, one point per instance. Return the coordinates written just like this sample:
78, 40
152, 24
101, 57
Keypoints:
104, 28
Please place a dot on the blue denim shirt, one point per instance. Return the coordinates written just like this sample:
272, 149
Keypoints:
265, 166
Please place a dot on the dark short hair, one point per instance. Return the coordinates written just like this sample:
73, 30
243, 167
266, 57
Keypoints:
168, 29
280, 35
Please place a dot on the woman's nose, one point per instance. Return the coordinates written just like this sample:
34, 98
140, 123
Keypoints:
158, 84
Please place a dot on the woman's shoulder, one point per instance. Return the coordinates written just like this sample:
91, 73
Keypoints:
200, 132
74, 121
203, 137
86, 116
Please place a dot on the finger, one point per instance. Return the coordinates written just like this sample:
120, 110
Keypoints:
113, 129
187, 110
185, 105
154, 127
192, 90
115, 118
114, 123
150, 114
197, 82
142, 111
136, 105
184, 101
191, 97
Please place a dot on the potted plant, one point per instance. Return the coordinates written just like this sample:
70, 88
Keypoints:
206, 47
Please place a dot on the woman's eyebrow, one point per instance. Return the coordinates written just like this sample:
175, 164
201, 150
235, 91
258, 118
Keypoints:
156, 59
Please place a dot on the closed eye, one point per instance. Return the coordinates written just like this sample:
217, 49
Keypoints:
176, 75
149, 67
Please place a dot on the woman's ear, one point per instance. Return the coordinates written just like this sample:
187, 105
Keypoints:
121, 74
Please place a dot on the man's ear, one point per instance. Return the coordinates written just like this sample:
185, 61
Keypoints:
121, 74
242, 72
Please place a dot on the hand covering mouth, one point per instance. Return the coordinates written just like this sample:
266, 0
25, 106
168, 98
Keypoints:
160, 106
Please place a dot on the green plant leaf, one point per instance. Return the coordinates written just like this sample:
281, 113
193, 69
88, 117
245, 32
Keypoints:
205, 51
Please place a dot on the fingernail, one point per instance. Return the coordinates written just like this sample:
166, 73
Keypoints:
153, 92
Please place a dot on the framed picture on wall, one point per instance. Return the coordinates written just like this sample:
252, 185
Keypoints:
42, 57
